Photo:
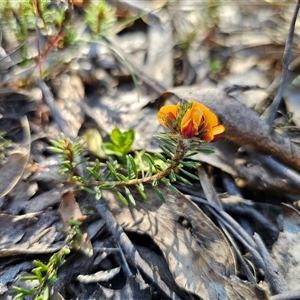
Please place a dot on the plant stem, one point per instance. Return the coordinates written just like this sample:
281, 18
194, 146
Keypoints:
179, 155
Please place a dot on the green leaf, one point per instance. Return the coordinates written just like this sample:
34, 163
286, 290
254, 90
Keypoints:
190, 164
129, 195
111, 169
169, 184
121, 177
114, 163
112, 149
44, 294
191, 153
140, 189
149, 171
165, 138
56, 150
167, 150
193, 176
106, 186
123, 140
78, 179
39, 264
206, 150
159, 193
94, 173
182, 179
24, 291
98, 194
141, 186
158, 167
133, 165
161, 157
172, 176
97, 166
58, 144
28, 277
38, 273
53, 275
129, 168
150, 158
122, 198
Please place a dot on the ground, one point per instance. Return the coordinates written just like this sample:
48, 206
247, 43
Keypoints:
81, 84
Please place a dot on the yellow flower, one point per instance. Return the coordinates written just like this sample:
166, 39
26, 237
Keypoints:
191, 119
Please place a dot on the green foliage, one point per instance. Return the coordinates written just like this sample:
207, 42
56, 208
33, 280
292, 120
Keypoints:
46, 273
22, 20
30, 16
214, 65
100, 17
135, 172
70, 155
121, 143
25, 20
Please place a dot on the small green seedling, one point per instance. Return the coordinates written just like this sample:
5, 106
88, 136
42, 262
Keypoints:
121, 143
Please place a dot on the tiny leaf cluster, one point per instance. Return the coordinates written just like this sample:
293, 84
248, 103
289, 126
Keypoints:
45, 274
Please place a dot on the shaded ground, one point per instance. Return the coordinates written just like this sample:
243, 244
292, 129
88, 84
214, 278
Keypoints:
234, 233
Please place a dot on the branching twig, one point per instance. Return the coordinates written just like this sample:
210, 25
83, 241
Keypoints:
273, 276
278, 167
286, 62
213, 198
49, 99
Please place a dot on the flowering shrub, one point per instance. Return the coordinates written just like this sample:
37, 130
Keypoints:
191, 119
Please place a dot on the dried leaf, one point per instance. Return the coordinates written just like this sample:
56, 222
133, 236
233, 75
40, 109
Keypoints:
68, 209
288, 257
101, 276
45, 200
12, 171
199, 257
30, 234
14, 167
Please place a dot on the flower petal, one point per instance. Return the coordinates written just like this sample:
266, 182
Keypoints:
208, 136
218, 129
196, 115
211, 118
188, 129
165, 113
186, 119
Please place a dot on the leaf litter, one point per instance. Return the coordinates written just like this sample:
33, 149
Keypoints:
232, 56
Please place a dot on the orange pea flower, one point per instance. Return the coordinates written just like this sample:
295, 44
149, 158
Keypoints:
191, 119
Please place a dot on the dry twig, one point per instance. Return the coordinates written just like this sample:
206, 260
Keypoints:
286, 61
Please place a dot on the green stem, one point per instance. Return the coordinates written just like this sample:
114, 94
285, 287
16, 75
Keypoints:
179, 155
